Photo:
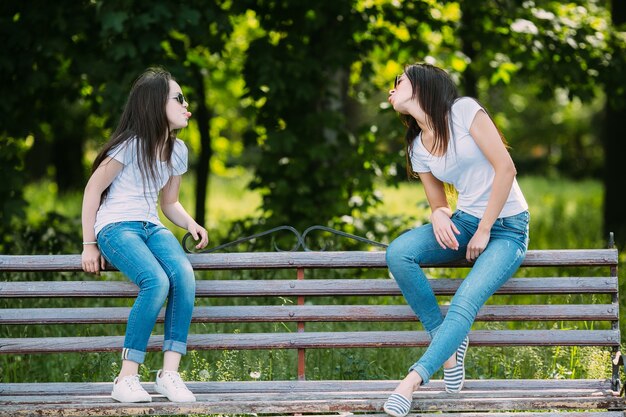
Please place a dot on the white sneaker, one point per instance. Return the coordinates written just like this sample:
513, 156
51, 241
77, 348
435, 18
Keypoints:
170, 384
129, 390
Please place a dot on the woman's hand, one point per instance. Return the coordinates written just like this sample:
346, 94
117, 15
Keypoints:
198, 233
444, 229
477, 244
92, 261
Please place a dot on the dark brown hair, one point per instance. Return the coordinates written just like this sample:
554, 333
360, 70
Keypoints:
144, 118
435, 92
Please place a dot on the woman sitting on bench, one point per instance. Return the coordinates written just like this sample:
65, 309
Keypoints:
452, 141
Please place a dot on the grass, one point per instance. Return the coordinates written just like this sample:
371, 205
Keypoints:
573, 208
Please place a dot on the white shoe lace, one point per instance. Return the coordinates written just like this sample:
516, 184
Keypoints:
133, 383
175, 379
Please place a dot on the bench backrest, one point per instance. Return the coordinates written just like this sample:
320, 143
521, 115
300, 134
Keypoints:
590, 276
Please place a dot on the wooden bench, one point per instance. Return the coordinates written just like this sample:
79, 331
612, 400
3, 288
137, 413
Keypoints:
587, 274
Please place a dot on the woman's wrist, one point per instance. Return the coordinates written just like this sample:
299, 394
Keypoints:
446, 210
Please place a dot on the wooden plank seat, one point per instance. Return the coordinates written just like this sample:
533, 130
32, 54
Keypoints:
312, 396
588, 275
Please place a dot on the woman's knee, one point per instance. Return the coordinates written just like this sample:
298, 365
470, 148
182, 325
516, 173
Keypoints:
183, 277
464, 308
401, 252
396, 253
156, 284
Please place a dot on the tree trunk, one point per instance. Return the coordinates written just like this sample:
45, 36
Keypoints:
202, 172
466, 34
614, 145
67, 156
62, 148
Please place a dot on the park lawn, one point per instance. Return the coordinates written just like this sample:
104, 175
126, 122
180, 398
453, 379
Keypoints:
564, 213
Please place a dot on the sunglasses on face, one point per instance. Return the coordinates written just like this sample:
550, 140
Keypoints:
180, 98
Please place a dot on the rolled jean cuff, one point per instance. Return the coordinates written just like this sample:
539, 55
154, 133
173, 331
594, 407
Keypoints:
174, 346
421, 372
133, 355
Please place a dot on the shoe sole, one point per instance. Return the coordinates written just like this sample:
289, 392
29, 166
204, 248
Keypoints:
132, 402
393, 414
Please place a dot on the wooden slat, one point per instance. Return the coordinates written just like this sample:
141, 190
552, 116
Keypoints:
312, 287
305, 403
85, 399
317, 340
212, 387
273, 260
310, 313
314, 394
563, 413
138, 409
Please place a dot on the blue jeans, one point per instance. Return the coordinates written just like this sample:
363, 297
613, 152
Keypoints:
500, 259
151, 257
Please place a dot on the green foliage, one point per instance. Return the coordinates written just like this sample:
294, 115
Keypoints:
316, 76
297, 72
56, 234
12, 170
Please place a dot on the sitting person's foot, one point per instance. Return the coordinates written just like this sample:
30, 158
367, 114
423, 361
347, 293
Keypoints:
170, 384
399, 402
128, 389
454, 377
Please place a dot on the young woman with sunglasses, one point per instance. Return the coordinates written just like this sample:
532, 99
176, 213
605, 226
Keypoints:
452, 141
143, 161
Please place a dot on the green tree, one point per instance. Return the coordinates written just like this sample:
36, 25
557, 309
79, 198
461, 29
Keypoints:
563, 47
68, 63
614, 146
42, 83
185, 38
315, 163
552, 50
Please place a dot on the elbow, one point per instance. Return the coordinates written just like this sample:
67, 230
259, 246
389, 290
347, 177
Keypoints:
166, 205
92, 190
507, 170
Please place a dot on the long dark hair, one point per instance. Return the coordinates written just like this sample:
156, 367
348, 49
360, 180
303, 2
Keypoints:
144, 117
436, 92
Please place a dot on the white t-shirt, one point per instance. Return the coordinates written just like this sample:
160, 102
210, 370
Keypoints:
464, 165
128, 199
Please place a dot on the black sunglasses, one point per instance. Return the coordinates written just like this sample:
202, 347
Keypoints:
396, 81
180, 98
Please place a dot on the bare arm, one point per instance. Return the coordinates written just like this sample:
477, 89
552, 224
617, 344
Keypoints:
488, 140
443, 228
102, 177
173, 210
